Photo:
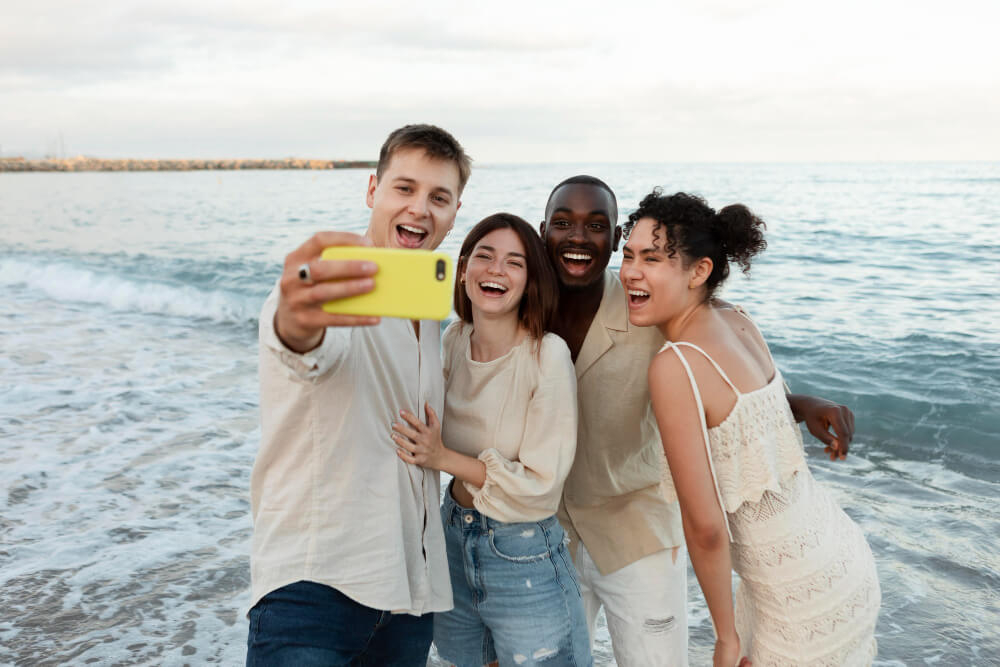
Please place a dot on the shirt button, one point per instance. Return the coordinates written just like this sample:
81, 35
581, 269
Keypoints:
468, 518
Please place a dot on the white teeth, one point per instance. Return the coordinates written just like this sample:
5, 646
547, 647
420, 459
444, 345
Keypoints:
576, 255
494, 286
413, 230
637, 292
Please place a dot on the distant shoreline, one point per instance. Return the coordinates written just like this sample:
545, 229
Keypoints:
20, 164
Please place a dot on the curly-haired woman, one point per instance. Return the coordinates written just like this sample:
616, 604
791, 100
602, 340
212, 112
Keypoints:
809, 592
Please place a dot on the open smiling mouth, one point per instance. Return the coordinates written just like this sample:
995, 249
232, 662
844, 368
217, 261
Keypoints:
637, 297
410, 236
492, 289
577, 261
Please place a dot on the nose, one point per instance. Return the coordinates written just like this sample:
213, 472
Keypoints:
628, 272
418, 207
496, 266
575, 232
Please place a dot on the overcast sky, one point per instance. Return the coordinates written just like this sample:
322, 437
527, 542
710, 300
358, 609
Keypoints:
711, 80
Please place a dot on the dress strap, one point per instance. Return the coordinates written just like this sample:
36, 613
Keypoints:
704, 423
711, 361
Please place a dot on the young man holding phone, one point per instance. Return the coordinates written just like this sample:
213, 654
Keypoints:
626, 539
348, 554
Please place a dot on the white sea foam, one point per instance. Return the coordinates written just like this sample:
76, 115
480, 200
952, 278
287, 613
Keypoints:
68, 283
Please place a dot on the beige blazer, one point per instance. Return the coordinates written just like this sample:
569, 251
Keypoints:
612, 500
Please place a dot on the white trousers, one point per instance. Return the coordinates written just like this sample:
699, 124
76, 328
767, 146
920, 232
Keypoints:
645, 604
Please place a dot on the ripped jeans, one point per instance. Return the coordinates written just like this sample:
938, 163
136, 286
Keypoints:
517, 600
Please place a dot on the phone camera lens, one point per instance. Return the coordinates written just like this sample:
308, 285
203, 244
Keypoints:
440, 269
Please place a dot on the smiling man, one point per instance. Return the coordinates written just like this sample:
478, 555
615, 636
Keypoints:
348, 554
626, 539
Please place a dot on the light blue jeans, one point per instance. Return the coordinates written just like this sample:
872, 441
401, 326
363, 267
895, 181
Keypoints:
516, 595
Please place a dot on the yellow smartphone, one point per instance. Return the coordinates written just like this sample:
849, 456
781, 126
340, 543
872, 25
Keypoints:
410, 284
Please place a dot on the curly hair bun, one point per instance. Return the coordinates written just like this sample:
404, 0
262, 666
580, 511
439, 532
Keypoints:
740, 234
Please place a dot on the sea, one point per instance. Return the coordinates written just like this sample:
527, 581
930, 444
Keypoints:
129, 400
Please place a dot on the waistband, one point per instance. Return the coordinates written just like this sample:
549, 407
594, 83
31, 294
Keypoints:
468, 517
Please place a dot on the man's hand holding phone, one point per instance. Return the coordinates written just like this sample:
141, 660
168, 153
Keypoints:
308, 282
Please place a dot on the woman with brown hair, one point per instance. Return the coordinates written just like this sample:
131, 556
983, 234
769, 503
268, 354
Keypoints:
508, 439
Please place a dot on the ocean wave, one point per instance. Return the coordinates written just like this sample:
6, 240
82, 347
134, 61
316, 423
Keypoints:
68, 282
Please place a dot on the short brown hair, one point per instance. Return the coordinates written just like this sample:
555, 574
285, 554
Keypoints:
541, 295
434, 141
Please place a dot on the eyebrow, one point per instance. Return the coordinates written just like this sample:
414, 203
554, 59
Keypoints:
407, 179
492, 249
598, 211
650, 250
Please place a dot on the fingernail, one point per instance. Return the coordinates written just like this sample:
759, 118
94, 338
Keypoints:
369, 266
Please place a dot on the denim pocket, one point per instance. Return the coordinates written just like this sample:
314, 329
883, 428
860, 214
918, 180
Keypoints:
520, 543
254, 637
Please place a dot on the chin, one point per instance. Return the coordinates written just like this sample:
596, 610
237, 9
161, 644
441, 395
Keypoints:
586, 280
643, 319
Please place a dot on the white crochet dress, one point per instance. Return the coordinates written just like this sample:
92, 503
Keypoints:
809, 593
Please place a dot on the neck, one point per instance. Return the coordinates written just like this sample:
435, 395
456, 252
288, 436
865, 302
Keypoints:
494, 336
575, 302
675, 328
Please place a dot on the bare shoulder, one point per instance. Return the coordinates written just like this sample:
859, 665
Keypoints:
743, 327
666, 369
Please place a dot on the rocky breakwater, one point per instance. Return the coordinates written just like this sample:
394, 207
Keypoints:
100, 164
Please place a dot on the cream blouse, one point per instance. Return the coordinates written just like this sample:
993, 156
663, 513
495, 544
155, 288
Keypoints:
518, 415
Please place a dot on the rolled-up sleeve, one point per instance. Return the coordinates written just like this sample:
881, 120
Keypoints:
529, 488
311, 365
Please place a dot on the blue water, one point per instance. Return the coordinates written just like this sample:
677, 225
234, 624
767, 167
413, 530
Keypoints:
128, 399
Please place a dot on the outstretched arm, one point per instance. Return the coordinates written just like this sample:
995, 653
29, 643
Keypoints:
821, 415
300, 321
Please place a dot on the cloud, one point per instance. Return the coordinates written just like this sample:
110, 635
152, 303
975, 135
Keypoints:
49, 43
527, 81
58, 43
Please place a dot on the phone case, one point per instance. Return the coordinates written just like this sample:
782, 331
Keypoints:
411, 284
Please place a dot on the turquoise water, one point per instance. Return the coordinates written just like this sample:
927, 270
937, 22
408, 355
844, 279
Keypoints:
128, 399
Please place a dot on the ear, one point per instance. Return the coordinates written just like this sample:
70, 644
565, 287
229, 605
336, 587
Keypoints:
701, 270
617, 238
370, 193
541, 229
460, 270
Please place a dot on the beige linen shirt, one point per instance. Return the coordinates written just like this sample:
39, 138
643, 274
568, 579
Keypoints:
612, 500
331, 501
516, 414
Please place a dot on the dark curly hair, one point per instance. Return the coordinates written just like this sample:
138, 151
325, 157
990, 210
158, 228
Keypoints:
693, 228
